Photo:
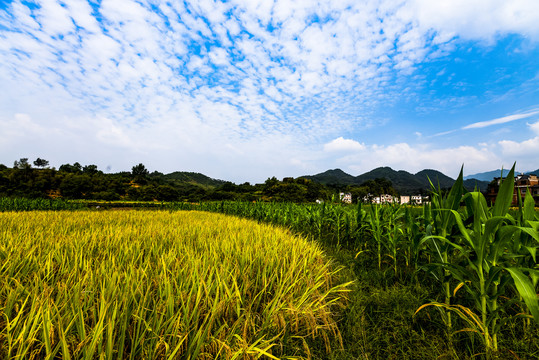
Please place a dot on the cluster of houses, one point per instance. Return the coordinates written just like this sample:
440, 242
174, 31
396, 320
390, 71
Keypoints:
386, 199
523, 183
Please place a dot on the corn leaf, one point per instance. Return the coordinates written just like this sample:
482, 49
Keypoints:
505, 194
526, 290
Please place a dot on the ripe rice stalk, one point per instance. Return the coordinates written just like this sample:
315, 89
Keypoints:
160, 285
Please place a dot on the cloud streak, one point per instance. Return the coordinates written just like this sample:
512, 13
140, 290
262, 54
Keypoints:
502, 120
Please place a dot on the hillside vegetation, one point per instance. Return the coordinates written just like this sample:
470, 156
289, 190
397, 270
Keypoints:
74, 181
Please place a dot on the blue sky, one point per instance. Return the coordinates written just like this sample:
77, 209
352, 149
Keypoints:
246, 90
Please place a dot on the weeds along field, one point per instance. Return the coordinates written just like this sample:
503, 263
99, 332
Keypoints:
20, 204
161, 285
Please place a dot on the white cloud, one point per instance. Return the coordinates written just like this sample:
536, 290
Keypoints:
54, 18
473, 19
528, 147
112, 134
414, 158
82, 15
219, 56
526, 151
341, 144
534, 127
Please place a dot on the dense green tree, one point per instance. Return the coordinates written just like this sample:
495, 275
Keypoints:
315, 191
75, 168
228, 186
78, 182
139, 170
75, 186
22, 164
166, 193
270, 186
246, 187
140, 173
41, 163
90, 169
106, 195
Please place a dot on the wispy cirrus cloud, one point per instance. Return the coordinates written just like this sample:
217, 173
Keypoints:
487, 123
501, 120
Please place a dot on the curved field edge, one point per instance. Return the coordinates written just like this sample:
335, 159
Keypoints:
161, 285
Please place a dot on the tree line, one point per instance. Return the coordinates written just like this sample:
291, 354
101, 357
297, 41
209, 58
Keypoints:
75, 181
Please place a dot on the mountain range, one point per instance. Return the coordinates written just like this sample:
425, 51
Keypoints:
489, 175
403, 181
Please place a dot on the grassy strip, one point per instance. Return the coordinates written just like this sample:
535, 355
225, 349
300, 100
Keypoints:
23, 204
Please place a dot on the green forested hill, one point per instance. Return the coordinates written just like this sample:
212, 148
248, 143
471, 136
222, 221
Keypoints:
471, 184
335, 176
193, 178
436, 177
404, 182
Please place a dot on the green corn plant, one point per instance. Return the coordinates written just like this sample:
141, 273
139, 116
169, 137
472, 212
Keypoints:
524, 248
414, 233
376, 228
483, 244
337, 222
394, 233
439, 228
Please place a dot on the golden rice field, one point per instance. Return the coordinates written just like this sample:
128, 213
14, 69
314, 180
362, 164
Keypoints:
160, 285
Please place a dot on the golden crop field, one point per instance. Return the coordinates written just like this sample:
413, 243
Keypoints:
160, 285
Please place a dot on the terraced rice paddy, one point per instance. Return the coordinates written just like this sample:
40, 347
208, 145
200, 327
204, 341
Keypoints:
160, 285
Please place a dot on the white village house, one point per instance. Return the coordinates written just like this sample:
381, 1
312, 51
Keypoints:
345, 197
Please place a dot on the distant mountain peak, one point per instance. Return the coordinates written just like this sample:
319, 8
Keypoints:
487, 175
333, 176
335, 171
403, 181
